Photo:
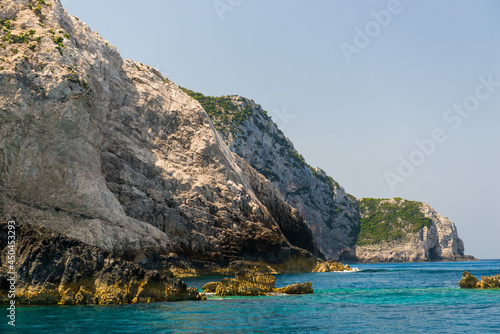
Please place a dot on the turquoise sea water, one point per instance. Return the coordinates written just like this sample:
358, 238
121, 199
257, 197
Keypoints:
380, 298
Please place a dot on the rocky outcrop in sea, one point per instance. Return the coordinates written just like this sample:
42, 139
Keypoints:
247, 283
469, 281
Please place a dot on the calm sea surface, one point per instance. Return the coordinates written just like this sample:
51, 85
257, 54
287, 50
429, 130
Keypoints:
380, 298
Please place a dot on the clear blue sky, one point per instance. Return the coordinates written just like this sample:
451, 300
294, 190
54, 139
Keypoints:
353, 119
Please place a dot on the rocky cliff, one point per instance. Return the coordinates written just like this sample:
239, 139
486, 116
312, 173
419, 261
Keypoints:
400, 230
113, 154
379, 230
248, 130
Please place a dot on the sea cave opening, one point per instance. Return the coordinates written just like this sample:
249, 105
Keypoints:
434, 253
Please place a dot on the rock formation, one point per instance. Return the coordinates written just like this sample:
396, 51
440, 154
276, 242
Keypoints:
111, 153
468, 281
248, 130
400, 230
330, 266
248, 283
54, 269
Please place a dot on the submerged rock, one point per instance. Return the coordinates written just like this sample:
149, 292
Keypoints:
254, 284
469, 281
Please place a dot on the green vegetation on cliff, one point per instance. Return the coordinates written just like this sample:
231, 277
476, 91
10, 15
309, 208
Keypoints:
386, 220
225, 111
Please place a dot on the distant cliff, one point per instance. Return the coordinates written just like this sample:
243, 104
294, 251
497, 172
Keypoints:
400, 230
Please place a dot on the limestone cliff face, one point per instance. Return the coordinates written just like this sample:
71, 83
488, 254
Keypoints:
329, 211
397, 230
109, 152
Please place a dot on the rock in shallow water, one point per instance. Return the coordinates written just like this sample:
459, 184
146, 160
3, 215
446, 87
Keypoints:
297, 289
330, 266
469, 281
254, 284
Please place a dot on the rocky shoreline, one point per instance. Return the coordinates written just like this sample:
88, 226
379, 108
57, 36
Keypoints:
52, 268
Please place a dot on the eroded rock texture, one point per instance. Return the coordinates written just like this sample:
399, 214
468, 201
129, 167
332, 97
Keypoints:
247, 283
248, 130
469, 281
54, 269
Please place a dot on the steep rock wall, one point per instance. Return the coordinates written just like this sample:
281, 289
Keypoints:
109, 152
329, 211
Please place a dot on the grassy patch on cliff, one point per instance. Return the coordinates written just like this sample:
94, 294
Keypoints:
225, 113
382, 220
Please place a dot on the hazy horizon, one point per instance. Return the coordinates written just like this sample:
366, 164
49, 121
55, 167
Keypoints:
390, 98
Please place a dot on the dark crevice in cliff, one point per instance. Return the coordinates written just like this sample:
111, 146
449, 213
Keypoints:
434, 253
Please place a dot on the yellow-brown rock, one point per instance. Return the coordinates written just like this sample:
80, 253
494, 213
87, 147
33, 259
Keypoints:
248, 283
55, 269
258, 280
233, 287
210, 287
468, 281
329, 266
296, 289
